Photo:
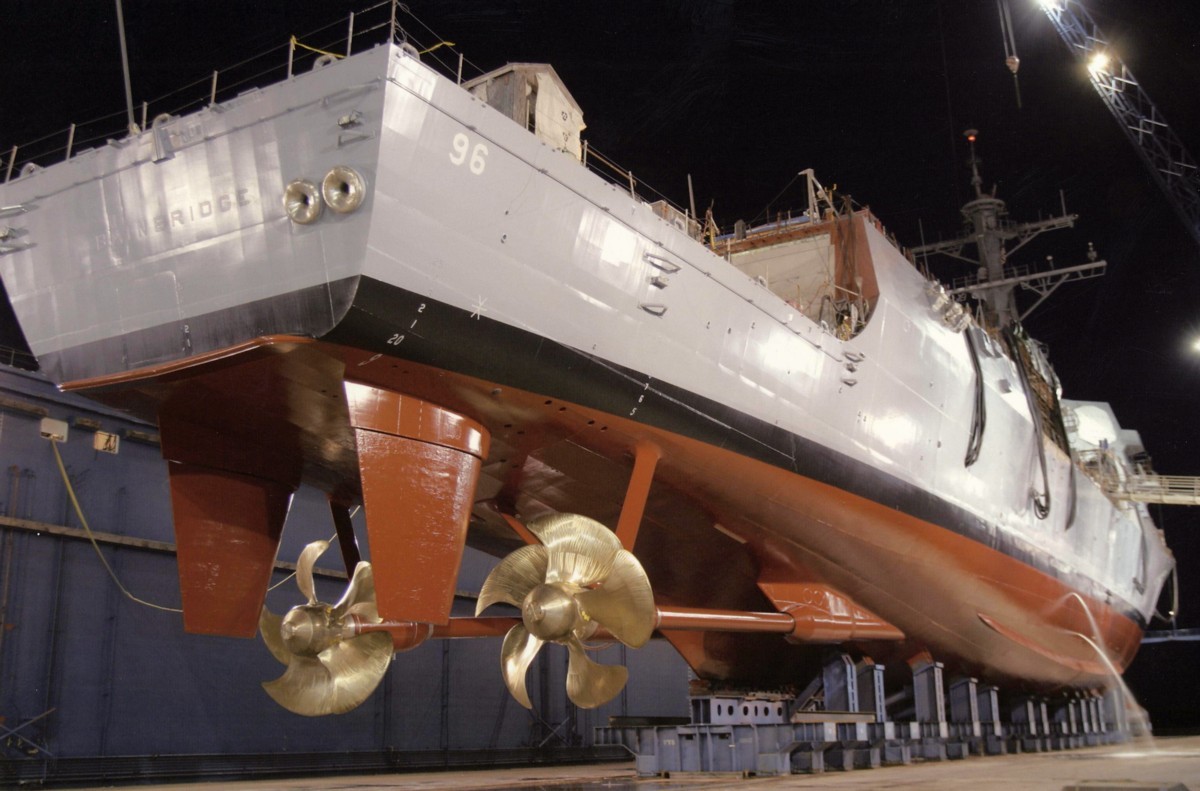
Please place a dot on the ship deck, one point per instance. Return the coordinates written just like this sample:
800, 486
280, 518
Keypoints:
1162, 763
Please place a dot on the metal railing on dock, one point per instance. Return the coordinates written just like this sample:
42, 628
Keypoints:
1164, 489
1138, 487
1172, 636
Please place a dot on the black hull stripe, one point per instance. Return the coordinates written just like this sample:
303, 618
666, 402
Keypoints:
308, 312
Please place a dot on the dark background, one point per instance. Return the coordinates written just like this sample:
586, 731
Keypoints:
873, 94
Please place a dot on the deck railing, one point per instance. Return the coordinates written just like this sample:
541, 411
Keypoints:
360, 30
388, 20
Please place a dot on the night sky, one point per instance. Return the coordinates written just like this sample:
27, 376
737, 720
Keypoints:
873, 94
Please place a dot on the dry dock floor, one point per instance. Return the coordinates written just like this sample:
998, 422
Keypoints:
1169, 761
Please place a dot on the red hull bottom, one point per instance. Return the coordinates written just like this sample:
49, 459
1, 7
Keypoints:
719, 530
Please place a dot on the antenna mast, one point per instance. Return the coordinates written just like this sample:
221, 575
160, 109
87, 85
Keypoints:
133, 127
995, 238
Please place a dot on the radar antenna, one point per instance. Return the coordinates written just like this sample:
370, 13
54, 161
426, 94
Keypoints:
990, 231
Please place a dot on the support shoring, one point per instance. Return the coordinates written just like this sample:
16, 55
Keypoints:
851, 728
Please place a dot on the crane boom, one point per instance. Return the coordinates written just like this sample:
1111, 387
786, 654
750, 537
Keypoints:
1169, 162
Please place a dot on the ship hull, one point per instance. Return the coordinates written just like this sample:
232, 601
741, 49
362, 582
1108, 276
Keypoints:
493, 276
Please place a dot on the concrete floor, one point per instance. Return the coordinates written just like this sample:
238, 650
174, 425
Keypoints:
1162, 765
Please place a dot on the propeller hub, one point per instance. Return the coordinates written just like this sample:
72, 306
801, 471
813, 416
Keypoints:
307, 630
550, 612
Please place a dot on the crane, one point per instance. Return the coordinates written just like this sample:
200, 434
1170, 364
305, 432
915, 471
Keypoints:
1172, 166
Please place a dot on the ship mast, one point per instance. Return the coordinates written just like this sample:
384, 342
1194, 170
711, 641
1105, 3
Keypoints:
990, 231
985, 215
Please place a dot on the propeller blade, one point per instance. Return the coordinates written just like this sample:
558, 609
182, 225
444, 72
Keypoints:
338, 679
513, 578
306, 687
518, 651
359, 598
304, 568
580, 550
357, 666
624, 604
269, 625
590, 684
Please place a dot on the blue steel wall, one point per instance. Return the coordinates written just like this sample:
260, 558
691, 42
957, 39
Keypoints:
123, 679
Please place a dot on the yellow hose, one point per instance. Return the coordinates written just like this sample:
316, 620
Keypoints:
83, 521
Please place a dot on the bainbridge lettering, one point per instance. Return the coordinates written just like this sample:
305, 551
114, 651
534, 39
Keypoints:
141, 227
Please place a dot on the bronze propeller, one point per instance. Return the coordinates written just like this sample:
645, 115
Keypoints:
578, 578
330, 669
